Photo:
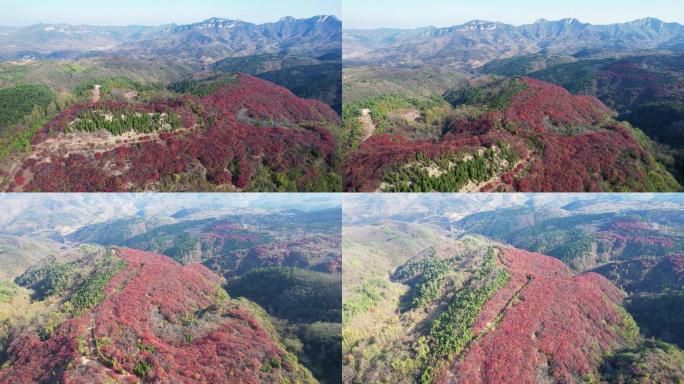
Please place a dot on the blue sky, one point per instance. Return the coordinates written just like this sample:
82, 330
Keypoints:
415, 13
155, 12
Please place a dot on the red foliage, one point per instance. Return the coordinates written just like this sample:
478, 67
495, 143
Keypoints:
144, 306
559, 325
507, 178
582, 162
542, 103
36, 361
228, 142
366, 166
521, 266
646, 274
631, 225
619, 240
226, 226
314, 253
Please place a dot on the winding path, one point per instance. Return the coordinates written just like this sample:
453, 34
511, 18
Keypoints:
367, 126
96, 93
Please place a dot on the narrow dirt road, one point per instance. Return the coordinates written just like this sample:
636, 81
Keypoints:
367, 126
96, 93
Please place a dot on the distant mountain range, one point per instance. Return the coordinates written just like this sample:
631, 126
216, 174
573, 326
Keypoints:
477, 42
208, 41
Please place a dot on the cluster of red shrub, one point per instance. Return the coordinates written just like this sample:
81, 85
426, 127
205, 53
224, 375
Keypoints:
226, 226
584, 161
311, 252
620, 240
521, 266
654, 274
231, 232
33, 360
676, 263
634, 81
227, 145
558, 324
233, 348
625, 232
631, 225
142, 322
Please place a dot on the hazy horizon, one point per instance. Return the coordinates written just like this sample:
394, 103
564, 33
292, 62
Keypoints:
345, 27
172, 202
404, 14
159, 12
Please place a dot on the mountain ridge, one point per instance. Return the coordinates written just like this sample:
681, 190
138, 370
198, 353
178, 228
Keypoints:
566, 20
227, 37
478, 41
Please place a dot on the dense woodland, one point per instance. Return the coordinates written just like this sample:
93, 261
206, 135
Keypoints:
19, 101
23, 110
311, 302
454, 171
118, 122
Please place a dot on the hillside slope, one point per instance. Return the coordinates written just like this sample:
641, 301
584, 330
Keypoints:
288, 262
515, 134
475, 312
119, 321
546, 325
240, 133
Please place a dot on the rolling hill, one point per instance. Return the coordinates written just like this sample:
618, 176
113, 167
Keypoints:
401, 134
638, 250
84, 73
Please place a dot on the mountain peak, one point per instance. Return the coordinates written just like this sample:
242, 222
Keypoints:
479, 22
570, 20
324, 18
217, 21
212, 23
478, 25
647, 21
